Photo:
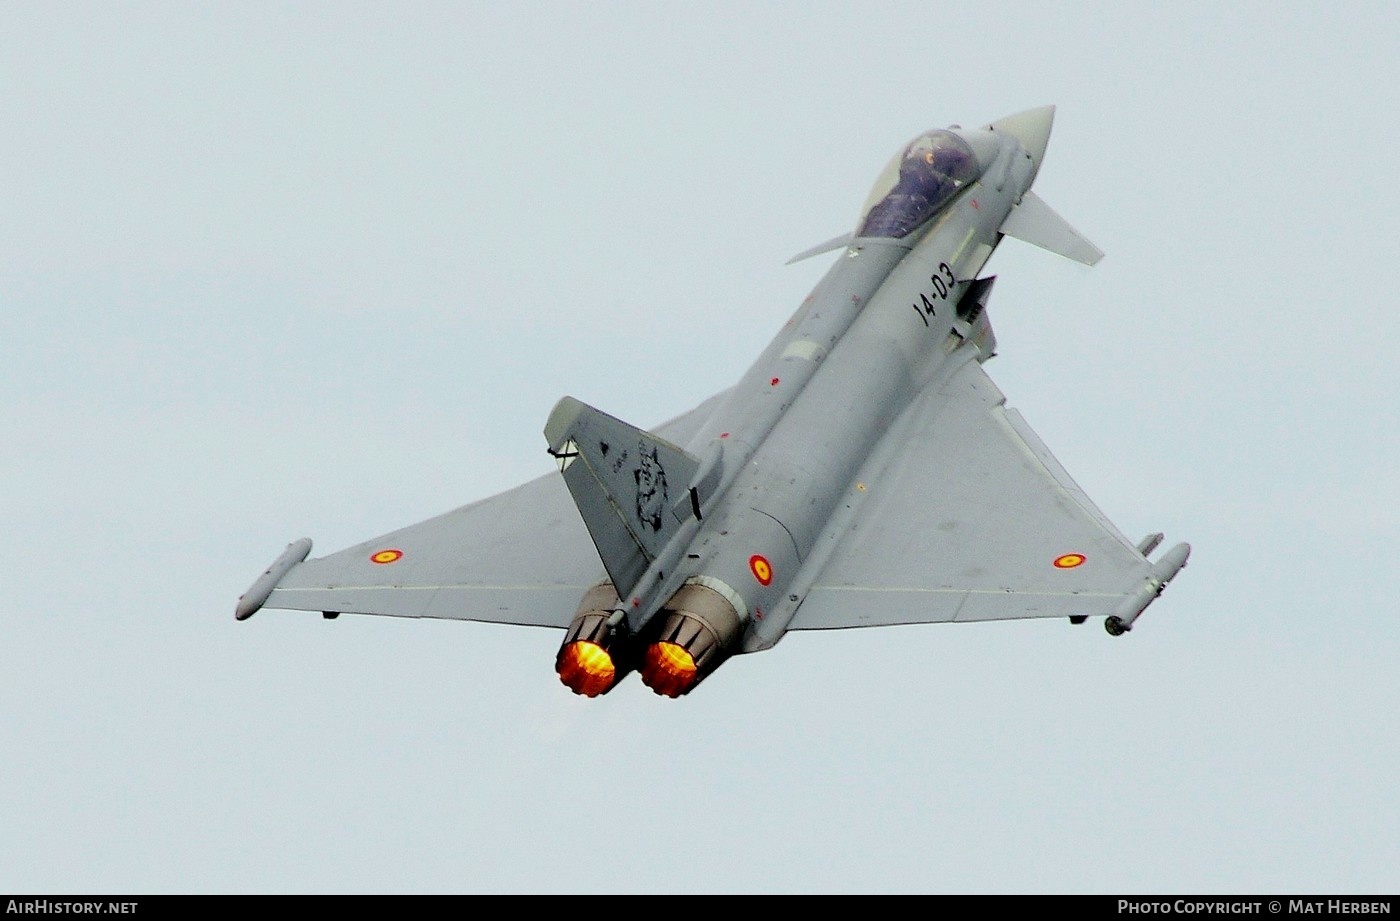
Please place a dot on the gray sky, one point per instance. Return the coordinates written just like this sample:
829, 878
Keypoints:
276, 271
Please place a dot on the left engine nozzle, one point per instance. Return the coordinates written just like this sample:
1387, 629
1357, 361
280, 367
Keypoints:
591, 660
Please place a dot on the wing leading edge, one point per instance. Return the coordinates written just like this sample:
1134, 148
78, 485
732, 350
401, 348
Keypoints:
970, 518
520, 557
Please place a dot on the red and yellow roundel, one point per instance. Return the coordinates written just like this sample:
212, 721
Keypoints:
387, 556
762, 570
1069, 560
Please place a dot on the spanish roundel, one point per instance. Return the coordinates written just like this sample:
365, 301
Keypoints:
761, 569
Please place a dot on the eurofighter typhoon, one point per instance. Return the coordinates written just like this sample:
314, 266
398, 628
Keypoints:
864, 472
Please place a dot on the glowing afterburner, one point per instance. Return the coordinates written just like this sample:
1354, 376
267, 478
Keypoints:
586, 668
588, 662
668, 670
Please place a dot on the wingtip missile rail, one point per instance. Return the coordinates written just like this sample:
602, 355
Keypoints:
1131, 608
253, 599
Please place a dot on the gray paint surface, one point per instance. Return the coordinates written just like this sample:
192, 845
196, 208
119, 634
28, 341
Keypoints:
999, 529
275, 272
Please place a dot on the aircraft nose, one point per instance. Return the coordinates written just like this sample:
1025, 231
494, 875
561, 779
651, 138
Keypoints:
1031, 128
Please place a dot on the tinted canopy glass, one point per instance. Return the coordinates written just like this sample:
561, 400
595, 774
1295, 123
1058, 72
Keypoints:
919, 180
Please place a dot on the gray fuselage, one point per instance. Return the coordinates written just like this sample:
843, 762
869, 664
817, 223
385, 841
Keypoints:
797, 427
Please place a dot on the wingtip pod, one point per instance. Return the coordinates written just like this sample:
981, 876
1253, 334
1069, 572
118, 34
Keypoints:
1131, 608
256, 595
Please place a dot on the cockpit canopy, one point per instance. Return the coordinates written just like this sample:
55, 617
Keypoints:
918, 181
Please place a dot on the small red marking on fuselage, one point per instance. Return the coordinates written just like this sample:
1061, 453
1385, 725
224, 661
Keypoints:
975, 206
773, 382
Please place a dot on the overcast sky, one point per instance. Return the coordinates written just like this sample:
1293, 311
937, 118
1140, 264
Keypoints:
273, 271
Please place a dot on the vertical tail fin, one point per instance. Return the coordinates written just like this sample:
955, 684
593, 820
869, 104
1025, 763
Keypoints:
633, 489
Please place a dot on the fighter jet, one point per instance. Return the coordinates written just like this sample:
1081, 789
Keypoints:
865, 471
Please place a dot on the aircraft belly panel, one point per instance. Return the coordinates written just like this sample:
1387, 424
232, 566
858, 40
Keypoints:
773, 382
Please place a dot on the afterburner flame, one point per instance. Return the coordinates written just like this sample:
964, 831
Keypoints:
586, 668
669, 669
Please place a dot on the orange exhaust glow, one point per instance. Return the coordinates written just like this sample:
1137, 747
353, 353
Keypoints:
669, 669
586, 668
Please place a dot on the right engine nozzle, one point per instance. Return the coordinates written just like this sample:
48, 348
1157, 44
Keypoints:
697, 632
